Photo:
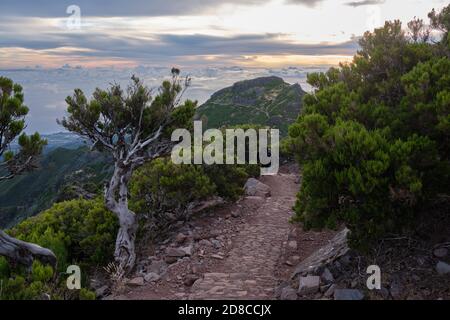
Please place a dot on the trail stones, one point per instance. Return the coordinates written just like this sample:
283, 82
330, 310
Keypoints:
152, 277
136, 282
348, 294
327, 276
254, 187
442, 268
440, 252
292, 244
174, 252
190, 279
188, 250
308, 285
288, 293
180, 238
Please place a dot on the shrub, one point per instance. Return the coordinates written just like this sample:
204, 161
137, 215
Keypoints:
372, 139
80, 231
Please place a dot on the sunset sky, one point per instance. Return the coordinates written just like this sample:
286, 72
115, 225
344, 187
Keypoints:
216, 42
271, 33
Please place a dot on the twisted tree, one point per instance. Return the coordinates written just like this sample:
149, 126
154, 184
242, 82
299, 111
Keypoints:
133, 128
15, 162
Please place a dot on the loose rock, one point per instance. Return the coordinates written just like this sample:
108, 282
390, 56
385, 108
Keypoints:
151, 277
136, 282
308, 285
254, 187
288, 293
327, 276
348, 294
440, 252
442, 268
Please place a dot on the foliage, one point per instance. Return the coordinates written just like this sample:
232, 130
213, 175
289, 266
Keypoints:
373, 137
78, 231
262, 101
12, 123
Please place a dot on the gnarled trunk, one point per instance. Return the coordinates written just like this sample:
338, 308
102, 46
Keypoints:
124, 253
116, 199
24, 252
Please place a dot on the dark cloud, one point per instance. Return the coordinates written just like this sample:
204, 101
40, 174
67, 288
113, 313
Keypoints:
171, 45
106, 8
364, 3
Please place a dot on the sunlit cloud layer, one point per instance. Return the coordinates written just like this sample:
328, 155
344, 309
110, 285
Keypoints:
193, 32
217, 42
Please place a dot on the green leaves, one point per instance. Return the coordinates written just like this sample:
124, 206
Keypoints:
12, 123
373, 138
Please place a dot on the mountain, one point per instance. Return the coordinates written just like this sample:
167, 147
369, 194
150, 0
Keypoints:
61, 171
66, 140
266, 101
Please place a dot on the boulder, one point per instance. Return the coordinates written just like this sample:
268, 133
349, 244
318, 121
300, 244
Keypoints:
442, 268
255, 187
288, 293
336, 248
348, 294
136, 282
308, 285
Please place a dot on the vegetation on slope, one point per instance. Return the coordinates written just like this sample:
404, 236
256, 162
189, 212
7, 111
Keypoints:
267, 101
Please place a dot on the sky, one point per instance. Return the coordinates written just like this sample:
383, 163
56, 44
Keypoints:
52, 47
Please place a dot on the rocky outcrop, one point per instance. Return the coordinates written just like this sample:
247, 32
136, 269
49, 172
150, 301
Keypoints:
325, 255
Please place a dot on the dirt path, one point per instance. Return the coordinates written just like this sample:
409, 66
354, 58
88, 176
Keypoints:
253, 251
249, 269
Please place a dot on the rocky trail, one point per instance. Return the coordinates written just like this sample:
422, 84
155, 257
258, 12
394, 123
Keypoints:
240, 251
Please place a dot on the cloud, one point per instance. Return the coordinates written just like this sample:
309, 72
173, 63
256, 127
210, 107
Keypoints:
109, 8
364, 3
308, 3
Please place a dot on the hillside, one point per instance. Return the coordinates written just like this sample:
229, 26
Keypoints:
265, 101
59, 170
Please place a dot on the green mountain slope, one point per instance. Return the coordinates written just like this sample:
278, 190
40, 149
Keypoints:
61, 168
265, 101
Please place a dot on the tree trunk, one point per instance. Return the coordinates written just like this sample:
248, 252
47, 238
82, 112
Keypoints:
24, 252
116, 199
125, 253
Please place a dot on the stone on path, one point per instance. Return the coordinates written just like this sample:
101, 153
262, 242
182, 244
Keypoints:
308, 285
255, 187
151, 277
288, 293
442, 268
348, 294
136, 282
440, 252
175, 252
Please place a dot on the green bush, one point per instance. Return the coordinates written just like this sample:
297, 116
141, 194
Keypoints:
373, 138
77, 231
